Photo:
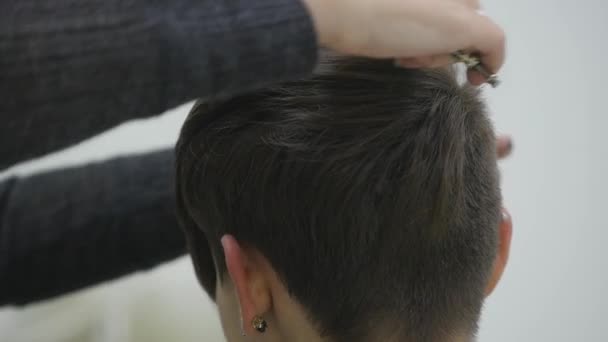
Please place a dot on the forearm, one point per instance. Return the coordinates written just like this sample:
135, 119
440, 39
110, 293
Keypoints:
64, 230
73, 68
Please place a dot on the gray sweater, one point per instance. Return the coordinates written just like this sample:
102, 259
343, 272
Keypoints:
70, 69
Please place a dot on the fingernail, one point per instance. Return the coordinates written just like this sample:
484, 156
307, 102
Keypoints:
505, 216
509, 145
224, 240
505, 145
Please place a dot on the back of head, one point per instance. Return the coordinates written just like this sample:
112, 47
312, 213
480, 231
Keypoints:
371, 190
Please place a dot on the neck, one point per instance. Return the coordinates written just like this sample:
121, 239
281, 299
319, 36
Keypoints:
291, 319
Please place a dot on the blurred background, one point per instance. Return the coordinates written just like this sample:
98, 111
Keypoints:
552, 103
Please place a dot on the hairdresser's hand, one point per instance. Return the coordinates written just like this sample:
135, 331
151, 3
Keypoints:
418, 33
504, 146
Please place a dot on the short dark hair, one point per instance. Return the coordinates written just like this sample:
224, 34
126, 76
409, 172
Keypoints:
372, 190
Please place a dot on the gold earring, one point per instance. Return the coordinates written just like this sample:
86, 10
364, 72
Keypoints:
259, 324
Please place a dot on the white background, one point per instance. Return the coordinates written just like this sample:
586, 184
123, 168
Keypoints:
553, 102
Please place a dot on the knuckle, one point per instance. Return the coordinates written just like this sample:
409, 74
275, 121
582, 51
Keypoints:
502, 37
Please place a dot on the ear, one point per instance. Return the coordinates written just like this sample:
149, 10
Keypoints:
244, 265
505, 231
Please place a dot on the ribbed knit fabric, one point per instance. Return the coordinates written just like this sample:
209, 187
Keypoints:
70, 69
73, 68
67, 229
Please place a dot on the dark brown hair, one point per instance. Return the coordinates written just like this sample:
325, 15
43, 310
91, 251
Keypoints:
372, 191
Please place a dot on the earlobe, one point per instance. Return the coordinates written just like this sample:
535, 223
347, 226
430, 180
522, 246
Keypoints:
505, 232
249, 282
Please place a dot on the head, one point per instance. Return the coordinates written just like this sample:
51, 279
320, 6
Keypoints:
360, 204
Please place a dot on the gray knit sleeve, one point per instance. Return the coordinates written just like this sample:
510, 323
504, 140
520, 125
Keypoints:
73, 68
67, 229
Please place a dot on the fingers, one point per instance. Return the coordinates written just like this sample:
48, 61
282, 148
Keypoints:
419, 33
485, 39
490, 49
506, 215
475, 78
504, 146
471, 3
489, 42
426, 62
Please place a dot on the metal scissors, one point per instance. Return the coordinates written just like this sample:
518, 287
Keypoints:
472, 62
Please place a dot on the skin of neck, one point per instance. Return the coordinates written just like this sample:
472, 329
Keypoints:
251, 288
287, 319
